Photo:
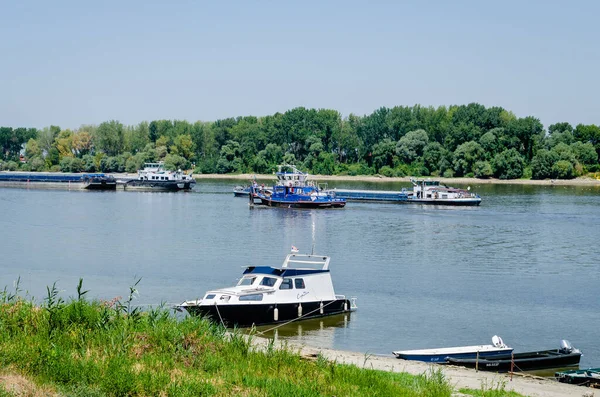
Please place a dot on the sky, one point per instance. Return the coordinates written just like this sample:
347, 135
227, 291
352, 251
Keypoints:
70, 63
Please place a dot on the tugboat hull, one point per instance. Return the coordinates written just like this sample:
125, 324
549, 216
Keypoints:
246, 315
304, 204
158, 186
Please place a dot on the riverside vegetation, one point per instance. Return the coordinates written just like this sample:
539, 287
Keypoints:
467, 140
80, 347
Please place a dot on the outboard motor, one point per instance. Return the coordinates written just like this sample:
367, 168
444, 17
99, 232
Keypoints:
497, 341
565, 347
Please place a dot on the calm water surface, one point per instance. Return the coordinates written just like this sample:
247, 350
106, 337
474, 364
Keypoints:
523, 265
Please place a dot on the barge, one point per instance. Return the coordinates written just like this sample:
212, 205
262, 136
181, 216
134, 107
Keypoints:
90, 181
423, 192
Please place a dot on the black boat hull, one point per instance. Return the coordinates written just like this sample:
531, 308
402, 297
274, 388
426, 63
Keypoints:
262, 314
529, 361
303, 204
164, 186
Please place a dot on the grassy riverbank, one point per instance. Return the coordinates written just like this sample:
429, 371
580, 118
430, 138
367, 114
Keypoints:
96, 348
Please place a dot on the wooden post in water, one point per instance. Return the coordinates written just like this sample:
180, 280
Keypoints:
477, 362
512, 364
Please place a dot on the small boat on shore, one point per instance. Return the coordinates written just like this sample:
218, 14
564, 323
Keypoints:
440, 355
154, 177
565, 356
293, 189
582, 377
300, 289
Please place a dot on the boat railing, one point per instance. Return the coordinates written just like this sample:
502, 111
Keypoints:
312, 261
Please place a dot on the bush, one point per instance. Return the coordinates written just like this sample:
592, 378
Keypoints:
448, 173
11, 166
508, 164
542, 163
175, 162
37, 164
55, 168
563, 169
388, 171
483, 169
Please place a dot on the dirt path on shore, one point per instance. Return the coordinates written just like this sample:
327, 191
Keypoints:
458, 377
582, 181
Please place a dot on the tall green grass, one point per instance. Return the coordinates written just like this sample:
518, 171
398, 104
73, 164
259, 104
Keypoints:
96, 348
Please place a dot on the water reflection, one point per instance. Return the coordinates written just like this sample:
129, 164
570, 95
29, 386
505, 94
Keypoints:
320, 329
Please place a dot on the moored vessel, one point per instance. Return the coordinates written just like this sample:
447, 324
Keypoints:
293, 189
300, 289
427, 191
440, 355
154, 177
565, 356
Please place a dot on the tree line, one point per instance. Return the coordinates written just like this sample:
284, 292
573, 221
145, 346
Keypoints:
460, 140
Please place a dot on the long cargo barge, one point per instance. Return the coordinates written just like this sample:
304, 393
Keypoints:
90, 181
424, 192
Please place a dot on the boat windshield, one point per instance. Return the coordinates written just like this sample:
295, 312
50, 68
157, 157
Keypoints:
268, 281
247, 281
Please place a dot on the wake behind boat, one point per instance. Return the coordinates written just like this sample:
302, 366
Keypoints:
440, 355
300, 289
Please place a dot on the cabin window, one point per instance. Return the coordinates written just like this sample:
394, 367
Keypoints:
286, 284
210, 296
299, 282
252, 297
247, 281
268, 281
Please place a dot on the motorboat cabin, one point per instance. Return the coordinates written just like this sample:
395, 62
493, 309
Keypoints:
300, 289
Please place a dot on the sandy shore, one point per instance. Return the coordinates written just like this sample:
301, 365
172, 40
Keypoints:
582, 181
459, 377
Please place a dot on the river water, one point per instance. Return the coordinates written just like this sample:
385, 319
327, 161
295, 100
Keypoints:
524, 265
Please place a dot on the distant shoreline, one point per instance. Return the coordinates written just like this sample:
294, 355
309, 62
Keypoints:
581, 181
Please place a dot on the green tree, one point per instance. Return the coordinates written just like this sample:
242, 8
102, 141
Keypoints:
383, 153
175, 162
508, 165
433, 154
465, 157
32, 149
483, 169
584, 152
183, 145
410, 147
542, 163
563, 169
110, 137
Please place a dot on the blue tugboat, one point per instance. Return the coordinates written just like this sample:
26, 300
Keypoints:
294, 190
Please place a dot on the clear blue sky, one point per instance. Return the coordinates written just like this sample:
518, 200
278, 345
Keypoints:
69, 63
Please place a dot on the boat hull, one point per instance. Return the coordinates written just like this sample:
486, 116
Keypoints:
158, 186
529, 361
246, 315
441, 358
454, 202
303, 203
582, 377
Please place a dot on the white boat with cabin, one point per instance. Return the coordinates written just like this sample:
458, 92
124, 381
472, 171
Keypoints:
155, 177
300, 289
